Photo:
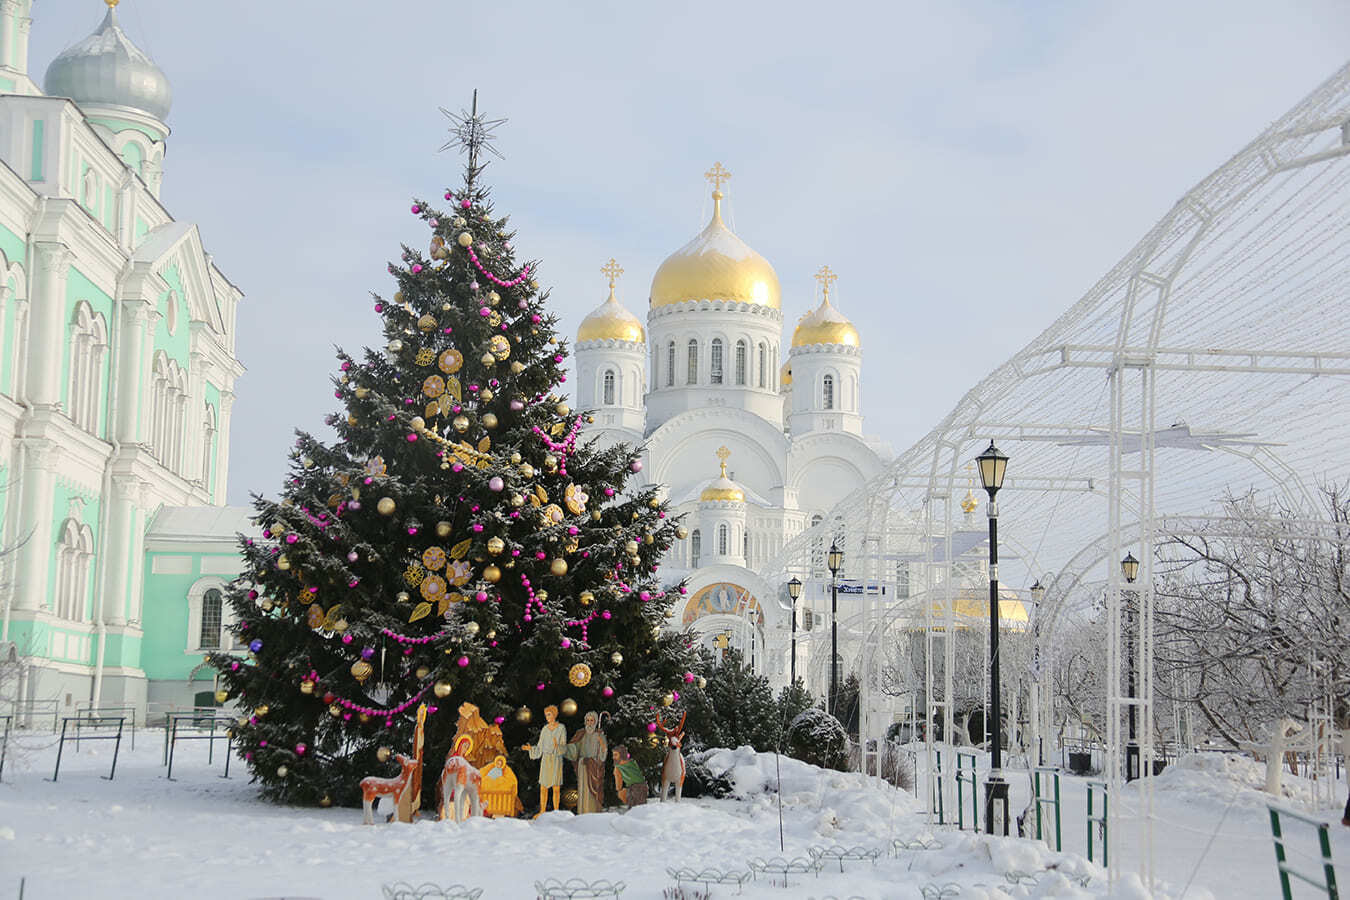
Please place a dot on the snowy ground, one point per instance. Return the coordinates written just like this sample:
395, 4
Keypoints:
202, 836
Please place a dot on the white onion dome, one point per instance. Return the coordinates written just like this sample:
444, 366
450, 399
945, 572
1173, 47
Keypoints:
716, 265
722, 487
610, 321
107, 69
825, 325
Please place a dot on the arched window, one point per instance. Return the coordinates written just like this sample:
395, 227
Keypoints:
817, 548
609, 387
73, 555
670, 364
693, 363
741, 348
715, 368
168, 417
695, 548
763, 363
722, 540
828, 393
88, 342
208, 444
212, 608
745, 544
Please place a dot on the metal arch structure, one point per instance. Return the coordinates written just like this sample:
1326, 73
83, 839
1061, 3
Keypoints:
1212, 358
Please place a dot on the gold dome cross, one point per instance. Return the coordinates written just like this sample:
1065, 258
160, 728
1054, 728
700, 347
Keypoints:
717, 175
826, 278
612, 270
723, 454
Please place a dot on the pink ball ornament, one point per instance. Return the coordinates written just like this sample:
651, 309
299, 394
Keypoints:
688, 677
565, 644
379, 307
300, 749
523, 304
481, 596
416, 209
346, 639
517, 406
411, 438
462, 662
495, 483
636, 465
473, 285
608, 691
605, 615
651, 728
499, 719
352, 556
644, 596
465, 203
417, 267
540, 686
675, 694
449, 196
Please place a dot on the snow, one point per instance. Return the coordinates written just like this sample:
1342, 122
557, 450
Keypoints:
204, 836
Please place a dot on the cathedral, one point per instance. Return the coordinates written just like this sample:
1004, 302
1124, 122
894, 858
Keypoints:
752, 444
117, 373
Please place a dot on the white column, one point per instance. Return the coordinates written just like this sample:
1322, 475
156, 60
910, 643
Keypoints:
21, 51
46, 333
37, 481
220, 473
9, 15
133, 364
122, 546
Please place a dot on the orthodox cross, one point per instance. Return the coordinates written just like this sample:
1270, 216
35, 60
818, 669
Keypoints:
717, 175
470, 131
826, 278
611, 270
723, 454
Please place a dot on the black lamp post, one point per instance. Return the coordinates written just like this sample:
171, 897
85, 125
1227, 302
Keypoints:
835, 561
1037, 596
794, 592
1129, 567
993, 465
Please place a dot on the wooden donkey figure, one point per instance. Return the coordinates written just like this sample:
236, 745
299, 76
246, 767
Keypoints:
374, 787
672, 770
460, 783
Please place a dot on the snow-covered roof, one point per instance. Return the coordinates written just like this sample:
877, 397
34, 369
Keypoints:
200, 523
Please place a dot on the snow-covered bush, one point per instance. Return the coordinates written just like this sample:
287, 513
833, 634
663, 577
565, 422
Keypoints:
818, 738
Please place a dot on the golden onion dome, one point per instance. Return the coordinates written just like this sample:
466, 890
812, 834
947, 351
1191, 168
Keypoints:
825, 325
785, 374
716, 265
722, 487
970, 608
609, 320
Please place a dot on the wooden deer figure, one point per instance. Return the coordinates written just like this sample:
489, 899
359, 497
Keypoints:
374, 787
461, 784
672, 770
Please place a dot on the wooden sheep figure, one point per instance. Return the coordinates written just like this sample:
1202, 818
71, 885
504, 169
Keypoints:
461, 784
374, 787
672, 770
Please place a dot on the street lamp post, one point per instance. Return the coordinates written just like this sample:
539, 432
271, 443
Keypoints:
1129, 567
1037, 596
794, 592
835, 561
993, 465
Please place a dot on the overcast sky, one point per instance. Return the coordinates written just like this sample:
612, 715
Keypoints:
968, 169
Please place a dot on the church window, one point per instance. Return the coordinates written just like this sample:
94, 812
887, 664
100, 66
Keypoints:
695, 548
609, 387
740, 362
212, 603
168, 412
715, 368
829, 392
745, 544
670, 364
693, 363
73, 555
762, 363
88, 342
722, 540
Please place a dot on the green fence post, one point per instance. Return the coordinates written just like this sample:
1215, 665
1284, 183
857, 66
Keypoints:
964, 772
1099, 821
1328, 883
1040, 801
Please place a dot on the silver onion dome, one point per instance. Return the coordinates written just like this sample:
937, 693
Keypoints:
106, 68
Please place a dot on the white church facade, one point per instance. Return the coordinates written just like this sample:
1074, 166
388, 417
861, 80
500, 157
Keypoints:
753, 443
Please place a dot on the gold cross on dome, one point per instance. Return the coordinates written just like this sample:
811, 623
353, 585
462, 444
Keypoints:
112, 3
717, 174
722, 640
723, 454
826, 277
612, 270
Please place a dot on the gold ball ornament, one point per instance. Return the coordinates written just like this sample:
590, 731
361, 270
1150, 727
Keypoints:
495, 545
568, 707
486, 394
461, 423
489, 419
277, 529
306, 687
563, 410
465, 239
492, 574
515, 457
526, 470
403, 596
427, 322
443, 529
579, 675
667, 699
418, 424
648, 539
266, 604
283, 562
558, 566
595, 515
386, 506
325, 801
383, 754
550, 464
334, 710
586, 598
517, 367
282, 771
222, 696
422, 672
340, 626
361, 670
682, 532
517, 500
471, 628
523, 715
442, 689
488, 360
260, 711
569, 798
631, 547
616, 657
702, 682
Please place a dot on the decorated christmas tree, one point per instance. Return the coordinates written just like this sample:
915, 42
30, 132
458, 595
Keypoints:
459, 542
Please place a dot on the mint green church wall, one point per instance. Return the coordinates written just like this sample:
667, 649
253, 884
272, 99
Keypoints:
15, 247
62, 495
174, 345
163, 651
79, 288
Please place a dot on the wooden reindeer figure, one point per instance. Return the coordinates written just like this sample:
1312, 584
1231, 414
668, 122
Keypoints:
672, 770
374, 787
460, 784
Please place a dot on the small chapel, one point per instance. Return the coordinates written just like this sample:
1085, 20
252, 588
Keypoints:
752, 444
